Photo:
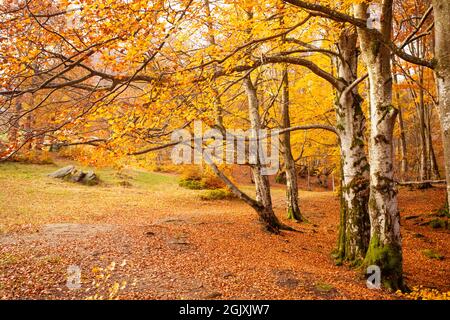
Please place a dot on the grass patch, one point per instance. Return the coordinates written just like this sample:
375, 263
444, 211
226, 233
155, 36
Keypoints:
9, 170
29, 197
153, 179
429, 253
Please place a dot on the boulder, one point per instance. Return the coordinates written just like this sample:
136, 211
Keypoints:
62, 173
77, 176
90, 178
70, 173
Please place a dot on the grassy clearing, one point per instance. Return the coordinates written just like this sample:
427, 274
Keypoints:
29, 198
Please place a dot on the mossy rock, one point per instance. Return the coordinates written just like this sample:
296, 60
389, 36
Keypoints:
72, 174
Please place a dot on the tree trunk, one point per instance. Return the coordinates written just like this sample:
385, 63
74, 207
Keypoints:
385, 247
14, 126
424, 171
354, 233
262, 186
293, 209
403, 159
441, 9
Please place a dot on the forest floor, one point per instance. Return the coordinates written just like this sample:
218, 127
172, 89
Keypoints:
167, 243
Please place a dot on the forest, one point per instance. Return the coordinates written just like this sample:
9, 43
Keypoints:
224, 149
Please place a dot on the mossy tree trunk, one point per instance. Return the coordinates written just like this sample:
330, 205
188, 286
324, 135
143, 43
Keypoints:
385, 247
354, 229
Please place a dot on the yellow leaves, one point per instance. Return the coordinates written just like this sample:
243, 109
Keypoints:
102, 284
422, 293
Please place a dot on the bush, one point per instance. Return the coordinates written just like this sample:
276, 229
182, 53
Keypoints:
193, 178
212, 181
218, 194
192, 184
191, 173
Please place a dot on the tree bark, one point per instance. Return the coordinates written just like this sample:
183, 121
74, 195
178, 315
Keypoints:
262, 186
424, 171
441, 9
385, 247
293, 209
403, 159
354, 230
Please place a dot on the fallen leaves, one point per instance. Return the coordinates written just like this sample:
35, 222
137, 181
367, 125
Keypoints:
160, 242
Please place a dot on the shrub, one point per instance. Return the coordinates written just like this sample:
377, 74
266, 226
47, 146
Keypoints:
192, 184
194, 178
191, 173
218, 194
212, 181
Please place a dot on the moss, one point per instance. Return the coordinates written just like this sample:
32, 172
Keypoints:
323, 287
294, 215
388, 258
438, 224
433, 254
354, 225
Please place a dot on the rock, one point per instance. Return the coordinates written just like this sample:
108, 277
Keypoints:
70, 173
62, 173
90, 178
77, 176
